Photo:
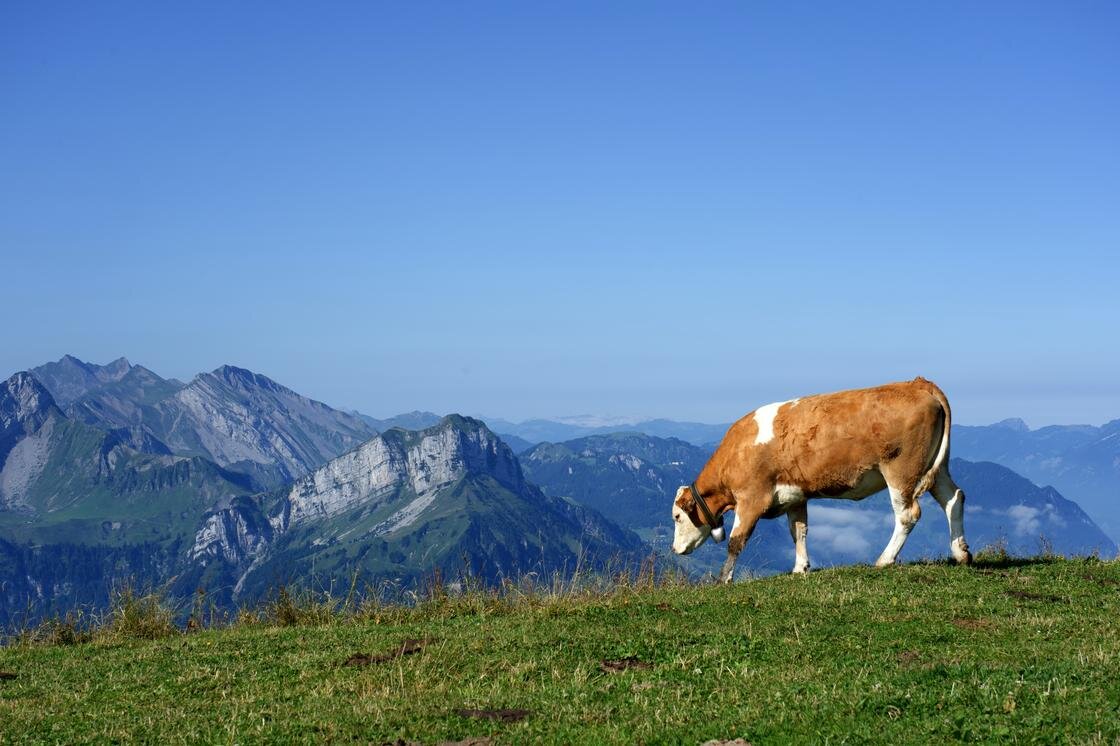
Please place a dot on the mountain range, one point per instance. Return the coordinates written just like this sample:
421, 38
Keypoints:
556, 431
238, 419
1080, 460
234, 483
82, 510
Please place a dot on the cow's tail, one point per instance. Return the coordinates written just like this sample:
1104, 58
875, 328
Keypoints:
942, 456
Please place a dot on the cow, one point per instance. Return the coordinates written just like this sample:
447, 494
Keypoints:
844, 445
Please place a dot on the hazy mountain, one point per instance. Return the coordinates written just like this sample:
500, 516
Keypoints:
400, 506
415, 420
1080, 460
564, 429
250, 423
628, 477
123, 402
519, 445
632, 479
239, 419
70, 378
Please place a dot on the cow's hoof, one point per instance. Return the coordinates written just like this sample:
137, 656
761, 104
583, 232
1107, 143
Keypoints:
965, 559
801, 570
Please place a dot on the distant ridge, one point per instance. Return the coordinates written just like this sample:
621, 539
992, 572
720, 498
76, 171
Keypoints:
560, 430
238, 418
1083, 461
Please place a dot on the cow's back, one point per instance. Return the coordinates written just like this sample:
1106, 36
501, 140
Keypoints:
824, 443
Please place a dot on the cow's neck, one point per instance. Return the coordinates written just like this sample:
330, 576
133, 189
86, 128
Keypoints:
711, 490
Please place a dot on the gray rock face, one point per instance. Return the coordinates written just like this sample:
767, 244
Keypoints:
26, 411
234, 416
235, 534
426, 462
400, 507
25, 404
22, 466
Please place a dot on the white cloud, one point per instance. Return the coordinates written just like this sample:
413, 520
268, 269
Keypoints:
842, 530
1054, 519
1025, 518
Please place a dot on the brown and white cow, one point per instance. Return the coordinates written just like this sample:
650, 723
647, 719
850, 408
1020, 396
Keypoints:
846, 445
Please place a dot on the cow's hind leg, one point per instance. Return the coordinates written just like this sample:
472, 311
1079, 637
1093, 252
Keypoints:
951, 498
906, 514
741, 530
798, 517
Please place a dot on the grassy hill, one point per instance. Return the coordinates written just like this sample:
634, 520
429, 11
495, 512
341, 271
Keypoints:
1010, 650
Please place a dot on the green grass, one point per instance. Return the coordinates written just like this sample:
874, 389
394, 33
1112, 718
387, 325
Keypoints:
1020, 652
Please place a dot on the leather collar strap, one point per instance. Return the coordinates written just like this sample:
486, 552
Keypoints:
711, 519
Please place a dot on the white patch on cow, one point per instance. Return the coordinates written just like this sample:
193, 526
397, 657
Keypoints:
902, 527
786, 495
764, 418
687, 536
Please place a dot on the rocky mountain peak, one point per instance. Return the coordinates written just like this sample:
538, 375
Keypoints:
1013, 423
24, 403
69, 378
423, 461
116, 369
243, 378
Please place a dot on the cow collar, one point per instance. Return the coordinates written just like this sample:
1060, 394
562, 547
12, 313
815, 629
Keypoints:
716, 524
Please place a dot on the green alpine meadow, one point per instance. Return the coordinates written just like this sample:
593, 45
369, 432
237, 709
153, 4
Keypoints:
1008, 650
470, 374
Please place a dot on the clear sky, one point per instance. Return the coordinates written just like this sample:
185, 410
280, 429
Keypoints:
538, 209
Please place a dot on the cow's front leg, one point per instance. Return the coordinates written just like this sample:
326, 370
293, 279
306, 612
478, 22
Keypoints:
741, 530
798, 517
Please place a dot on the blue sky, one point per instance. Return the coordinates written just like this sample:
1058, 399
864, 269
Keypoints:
529, 209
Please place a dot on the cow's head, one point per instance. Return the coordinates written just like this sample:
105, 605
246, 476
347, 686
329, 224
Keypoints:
690, 530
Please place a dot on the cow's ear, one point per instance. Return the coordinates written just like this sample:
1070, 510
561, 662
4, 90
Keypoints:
681, 492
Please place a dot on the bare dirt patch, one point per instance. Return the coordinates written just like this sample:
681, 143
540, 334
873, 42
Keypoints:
963, 623
408, 647
623, 664
482, 740
1028, 596
1106, 582
6, 675
908, 658
505, 716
